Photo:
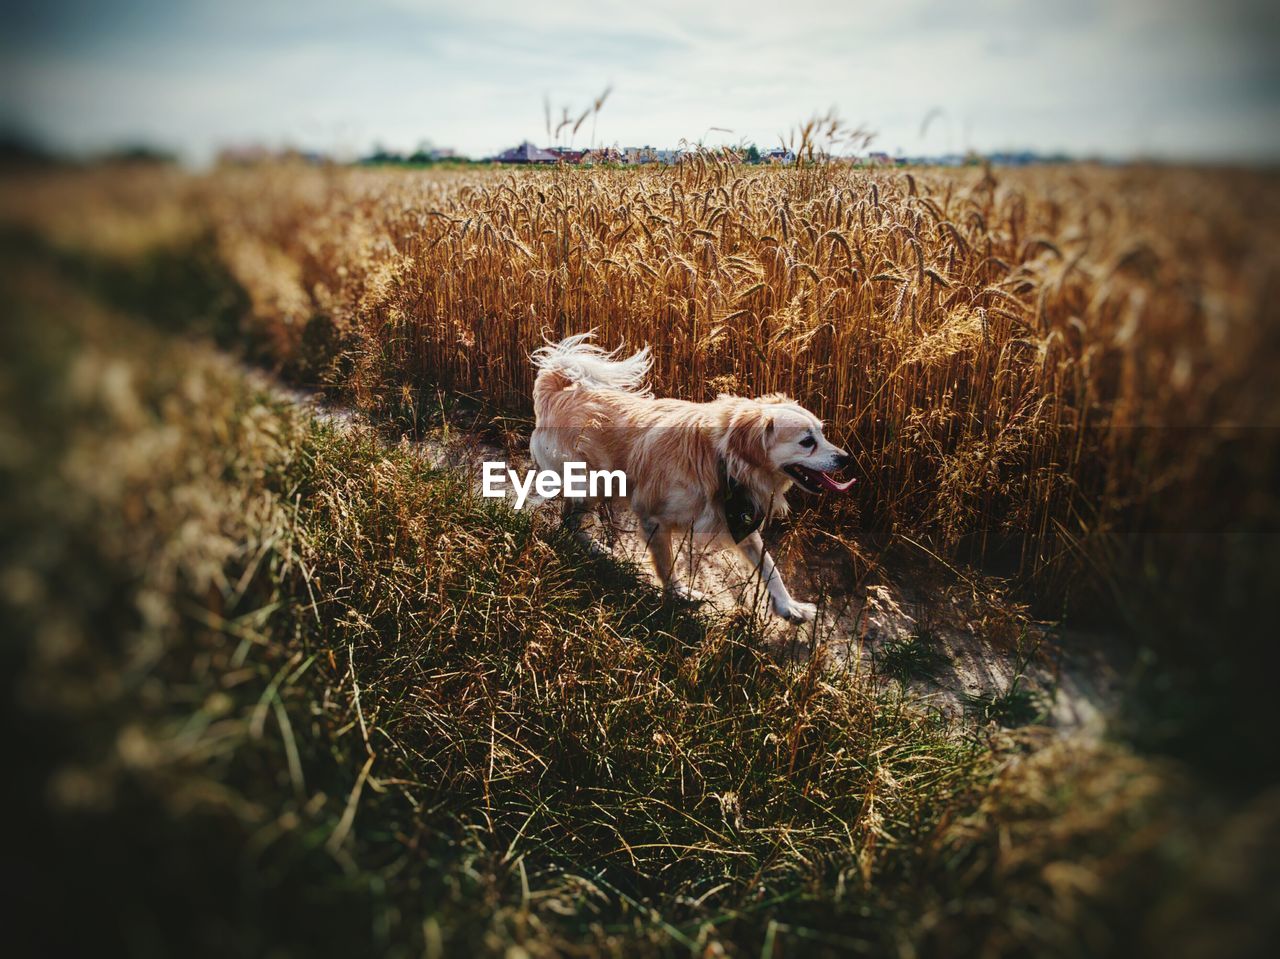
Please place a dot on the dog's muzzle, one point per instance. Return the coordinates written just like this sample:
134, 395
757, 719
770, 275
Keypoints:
816, 481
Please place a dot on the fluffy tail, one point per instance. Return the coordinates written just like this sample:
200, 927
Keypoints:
575, 360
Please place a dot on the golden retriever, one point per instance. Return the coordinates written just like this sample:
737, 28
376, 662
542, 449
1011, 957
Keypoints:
717, 470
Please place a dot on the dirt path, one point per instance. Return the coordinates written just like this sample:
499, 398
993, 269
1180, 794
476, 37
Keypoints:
956, 643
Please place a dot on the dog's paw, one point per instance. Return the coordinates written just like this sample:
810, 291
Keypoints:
592, 546
686, 594
596, 549
797, 612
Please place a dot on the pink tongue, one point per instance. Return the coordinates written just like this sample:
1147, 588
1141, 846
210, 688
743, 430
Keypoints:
827, 482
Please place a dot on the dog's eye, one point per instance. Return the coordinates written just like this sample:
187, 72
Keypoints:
808, 442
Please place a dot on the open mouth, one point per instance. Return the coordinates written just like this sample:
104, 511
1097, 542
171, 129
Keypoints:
815, 481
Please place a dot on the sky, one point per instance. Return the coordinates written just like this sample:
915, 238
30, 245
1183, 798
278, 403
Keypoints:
1171, 79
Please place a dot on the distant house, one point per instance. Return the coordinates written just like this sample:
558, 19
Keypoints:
526, 153
567, 154
602, 155
778, 155
637, 155
430, 154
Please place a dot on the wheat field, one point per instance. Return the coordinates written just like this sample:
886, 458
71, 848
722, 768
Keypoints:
1028, 364
1063, 372
1068, 371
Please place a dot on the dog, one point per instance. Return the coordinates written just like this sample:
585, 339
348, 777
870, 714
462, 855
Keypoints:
717, 470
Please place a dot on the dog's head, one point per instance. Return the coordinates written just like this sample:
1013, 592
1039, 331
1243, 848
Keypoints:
782, 443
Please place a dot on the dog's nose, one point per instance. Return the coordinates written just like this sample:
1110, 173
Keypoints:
843, 459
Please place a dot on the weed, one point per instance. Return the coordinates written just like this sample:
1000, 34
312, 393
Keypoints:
916, 657
1019, 704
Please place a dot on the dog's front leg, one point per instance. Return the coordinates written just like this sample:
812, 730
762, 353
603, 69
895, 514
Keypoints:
789, 609
658, 539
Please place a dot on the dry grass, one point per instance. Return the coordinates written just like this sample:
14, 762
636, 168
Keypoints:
1028, 364
279, 689
284, 690
1064, 370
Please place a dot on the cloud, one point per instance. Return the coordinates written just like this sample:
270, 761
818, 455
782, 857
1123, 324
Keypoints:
1175, 78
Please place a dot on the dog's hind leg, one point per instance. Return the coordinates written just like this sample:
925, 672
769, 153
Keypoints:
789, 609
658, 539
574, 512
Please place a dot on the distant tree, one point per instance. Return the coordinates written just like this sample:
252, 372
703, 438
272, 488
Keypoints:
382, 155
20, 150
753, 154
140, 153
425, 153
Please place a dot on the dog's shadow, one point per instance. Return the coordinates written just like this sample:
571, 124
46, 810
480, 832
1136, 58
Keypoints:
730, 591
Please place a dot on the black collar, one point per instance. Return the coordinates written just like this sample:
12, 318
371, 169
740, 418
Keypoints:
741, 513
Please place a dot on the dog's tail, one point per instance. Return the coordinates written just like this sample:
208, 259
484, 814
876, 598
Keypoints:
576, 360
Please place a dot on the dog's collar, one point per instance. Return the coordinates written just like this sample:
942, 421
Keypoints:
741, 512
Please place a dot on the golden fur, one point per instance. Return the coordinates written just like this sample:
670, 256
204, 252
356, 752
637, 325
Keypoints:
591, 407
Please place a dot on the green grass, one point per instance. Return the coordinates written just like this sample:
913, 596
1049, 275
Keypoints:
916, 657
1016, 705
281, 689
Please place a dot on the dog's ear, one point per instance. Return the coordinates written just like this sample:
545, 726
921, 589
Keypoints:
748, 438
